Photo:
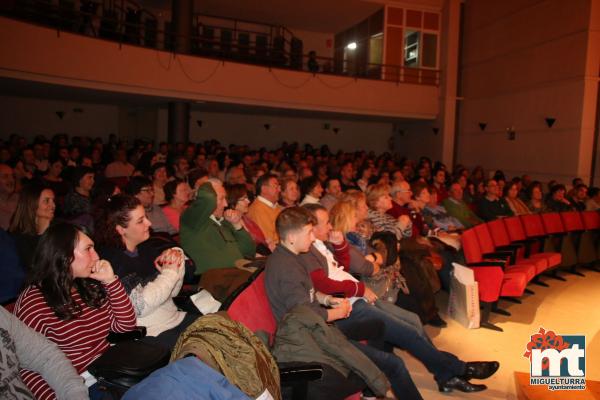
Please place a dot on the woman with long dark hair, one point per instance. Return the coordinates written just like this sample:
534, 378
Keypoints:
151, 276
33, 215
74, 299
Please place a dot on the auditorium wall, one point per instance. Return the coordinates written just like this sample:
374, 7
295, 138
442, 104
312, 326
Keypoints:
524, 62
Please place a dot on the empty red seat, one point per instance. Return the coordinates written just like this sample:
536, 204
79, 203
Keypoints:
489, 250
559, 239
494, 280
591, 220
516, 234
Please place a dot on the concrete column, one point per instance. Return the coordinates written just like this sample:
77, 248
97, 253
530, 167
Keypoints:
182, 16
179, 122
449, 78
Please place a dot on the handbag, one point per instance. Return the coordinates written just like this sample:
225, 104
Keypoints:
127, 363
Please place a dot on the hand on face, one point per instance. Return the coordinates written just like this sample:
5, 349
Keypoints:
234, 217
102, 271
336, 237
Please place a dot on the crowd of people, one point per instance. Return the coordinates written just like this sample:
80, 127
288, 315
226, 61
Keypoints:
100, 231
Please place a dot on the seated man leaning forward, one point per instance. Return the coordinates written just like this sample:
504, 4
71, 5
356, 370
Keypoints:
212, 236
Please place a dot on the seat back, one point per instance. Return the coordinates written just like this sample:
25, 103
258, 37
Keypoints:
533, 226
470, 246
498, 232
514, 228
250, 306
572, 221
591, 220
552, 223
486, 243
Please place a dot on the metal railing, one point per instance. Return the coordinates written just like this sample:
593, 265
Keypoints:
273, 46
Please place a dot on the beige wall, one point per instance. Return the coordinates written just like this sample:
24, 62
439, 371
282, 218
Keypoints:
524, 61
29, 117
79, 61
249, 129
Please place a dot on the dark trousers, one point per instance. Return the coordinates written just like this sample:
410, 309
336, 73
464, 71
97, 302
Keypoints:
407, 336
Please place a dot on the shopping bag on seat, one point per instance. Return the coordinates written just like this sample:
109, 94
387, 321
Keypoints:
463, 305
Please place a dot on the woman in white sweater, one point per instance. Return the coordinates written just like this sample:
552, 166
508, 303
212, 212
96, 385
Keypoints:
151, 278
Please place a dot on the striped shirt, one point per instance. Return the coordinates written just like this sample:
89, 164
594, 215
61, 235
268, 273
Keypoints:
82, 339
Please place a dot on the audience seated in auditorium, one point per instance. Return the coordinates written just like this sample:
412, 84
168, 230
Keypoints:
178, 195
439, 182
25, 349
333, 192
159, 180
557, 201
347, 177
8, 196
593, 201
32, 217
78, 201
151, 276
212, 236
290, 192
311, 190
142, 188
458, 208
265, 208
579, 197
74, 299
511, 196
238, 200
120, 168
436, 216
492, 206
535, 196
53, 177
288, 284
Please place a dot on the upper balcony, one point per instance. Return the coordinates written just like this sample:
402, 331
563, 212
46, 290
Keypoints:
240, 63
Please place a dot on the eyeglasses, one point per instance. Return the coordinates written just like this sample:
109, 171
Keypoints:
149, 190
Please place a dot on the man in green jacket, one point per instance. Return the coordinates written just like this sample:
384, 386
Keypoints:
212, 237
457, 208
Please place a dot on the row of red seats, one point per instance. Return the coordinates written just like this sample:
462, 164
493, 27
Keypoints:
508, 254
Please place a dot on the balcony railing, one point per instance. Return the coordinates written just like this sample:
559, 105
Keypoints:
273, 46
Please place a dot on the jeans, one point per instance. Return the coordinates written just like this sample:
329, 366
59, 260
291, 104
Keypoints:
394, 369
406, 332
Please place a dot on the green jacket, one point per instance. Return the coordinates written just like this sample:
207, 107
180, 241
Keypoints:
207, 243
303, 336
461, 212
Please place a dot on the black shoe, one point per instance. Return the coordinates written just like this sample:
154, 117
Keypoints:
438, 322
481, 369
461, 384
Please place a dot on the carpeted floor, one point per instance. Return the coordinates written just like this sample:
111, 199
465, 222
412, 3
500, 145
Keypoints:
571, 307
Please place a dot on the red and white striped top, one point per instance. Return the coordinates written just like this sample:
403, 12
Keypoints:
82, 339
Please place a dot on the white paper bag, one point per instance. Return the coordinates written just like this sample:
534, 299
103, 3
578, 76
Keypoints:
463, 305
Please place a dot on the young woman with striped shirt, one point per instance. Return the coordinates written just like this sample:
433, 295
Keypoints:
74, 299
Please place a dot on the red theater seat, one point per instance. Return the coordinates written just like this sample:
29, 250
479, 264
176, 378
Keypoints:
508, 253
494, 279
516, 234
559, 240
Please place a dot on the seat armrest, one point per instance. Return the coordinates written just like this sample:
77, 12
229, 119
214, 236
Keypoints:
306, 372
488, 263
503, 255
116, 337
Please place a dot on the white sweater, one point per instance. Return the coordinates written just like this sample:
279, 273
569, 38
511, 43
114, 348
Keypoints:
153, 303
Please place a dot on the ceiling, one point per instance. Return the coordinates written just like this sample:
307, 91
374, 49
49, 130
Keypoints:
330, 16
